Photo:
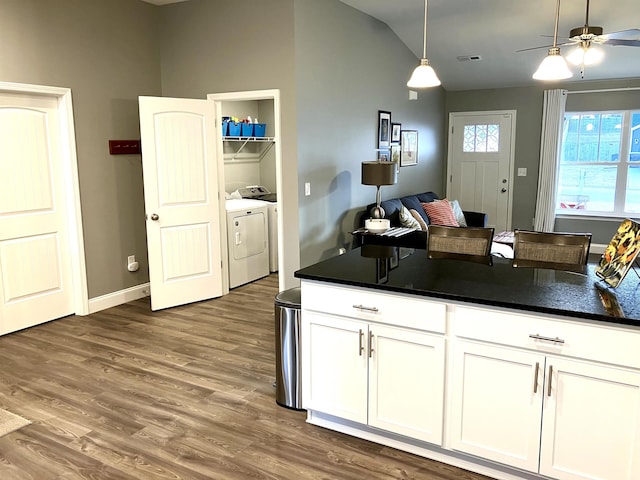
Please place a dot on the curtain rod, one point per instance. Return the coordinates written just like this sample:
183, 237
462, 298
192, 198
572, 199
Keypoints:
625, 89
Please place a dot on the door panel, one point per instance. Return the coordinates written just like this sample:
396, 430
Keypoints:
35, 272
181, 200
480, 151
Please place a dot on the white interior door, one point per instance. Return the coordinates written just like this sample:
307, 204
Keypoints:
181, 200
35, 272
480, 164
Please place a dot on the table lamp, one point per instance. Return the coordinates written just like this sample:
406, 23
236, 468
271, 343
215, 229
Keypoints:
378, 174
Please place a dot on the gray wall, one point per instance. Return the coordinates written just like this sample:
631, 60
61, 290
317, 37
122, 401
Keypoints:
349, 66
107, 53
527, 101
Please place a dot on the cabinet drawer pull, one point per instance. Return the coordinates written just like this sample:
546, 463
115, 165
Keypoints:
546, 339
360, 343
368, 309
535, 378
370, 344
549, 384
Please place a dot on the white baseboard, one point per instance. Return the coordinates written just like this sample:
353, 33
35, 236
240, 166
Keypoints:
597, 248
118, 298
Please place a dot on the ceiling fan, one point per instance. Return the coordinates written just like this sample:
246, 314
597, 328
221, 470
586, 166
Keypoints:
587, 36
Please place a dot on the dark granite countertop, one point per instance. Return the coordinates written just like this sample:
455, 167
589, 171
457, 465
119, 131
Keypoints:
499, 284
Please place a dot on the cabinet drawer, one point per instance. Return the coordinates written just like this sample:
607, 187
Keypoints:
374, 306
603, 343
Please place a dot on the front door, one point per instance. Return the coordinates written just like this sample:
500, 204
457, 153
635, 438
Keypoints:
182, 205
480, 164
35, 269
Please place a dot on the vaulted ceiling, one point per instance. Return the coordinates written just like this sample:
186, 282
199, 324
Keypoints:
495, 29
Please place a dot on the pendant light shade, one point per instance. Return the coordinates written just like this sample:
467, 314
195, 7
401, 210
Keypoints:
424, 76
554, 66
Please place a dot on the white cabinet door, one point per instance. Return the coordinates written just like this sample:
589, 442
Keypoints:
497, 403
335, 366
591, 427
406, 382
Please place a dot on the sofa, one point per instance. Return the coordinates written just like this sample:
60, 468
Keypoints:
414, 239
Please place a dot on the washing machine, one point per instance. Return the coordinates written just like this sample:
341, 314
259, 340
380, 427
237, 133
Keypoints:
247, 240
259, 192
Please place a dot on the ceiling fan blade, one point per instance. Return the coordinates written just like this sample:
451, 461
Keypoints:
625, 43
533, 48
631, 34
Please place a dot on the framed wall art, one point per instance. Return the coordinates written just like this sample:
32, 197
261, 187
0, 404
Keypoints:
384, 129
395, 155
395, 132
409, 148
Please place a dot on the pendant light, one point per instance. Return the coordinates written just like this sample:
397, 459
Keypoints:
554, 66
424, 75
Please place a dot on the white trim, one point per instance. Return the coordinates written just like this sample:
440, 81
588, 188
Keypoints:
72, 186
604, 90
118, 298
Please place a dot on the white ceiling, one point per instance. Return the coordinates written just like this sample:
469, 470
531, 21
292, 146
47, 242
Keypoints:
495, 29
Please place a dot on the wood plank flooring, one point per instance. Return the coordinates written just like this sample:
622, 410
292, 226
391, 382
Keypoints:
185, 393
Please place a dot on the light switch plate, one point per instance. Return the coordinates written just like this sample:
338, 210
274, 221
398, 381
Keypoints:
307, 189
522, 172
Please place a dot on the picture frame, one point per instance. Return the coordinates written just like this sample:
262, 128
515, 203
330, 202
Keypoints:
396, 128
384, 155
384, 129
619, 255
409, 148
396, 151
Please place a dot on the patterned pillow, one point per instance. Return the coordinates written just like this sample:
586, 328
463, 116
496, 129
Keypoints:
457, 211
419, 219
407, 220
440, 213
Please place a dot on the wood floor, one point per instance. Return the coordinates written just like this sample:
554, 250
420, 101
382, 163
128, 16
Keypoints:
185, 393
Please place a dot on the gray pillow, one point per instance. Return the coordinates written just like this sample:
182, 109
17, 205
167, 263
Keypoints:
407, 220
457, 211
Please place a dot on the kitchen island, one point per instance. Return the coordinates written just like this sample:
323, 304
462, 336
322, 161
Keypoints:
509, 372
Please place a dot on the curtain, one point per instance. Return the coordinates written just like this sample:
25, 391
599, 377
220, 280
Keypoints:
552, 120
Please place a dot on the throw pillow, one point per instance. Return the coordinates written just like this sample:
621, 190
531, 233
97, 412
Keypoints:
457, 211
407, 220
419, 219
440, 213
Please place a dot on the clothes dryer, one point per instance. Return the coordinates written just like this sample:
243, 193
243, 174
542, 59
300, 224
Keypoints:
247, 241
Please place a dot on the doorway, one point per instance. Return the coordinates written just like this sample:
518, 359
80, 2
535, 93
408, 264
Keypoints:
480, 163
42, 267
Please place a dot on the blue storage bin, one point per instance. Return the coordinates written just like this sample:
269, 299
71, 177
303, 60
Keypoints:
234, 129
247, 129
225, 128
259, 129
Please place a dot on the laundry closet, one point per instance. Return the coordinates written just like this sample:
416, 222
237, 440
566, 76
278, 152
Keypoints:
250, 183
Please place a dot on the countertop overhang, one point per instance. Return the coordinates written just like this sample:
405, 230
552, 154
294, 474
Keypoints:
497, 284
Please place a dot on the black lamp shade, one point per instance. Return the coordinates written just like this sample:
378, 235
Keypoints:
379, 173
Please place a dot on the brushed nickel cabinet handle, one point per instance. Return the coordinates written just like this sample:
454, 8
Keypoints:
535, 378
370, 344
549, 384
546, 339
368, 309
360, 343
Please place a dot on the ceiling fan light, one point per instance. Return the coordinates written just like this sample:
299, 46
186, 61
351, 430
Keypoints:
424, 76
585, 55
553, 67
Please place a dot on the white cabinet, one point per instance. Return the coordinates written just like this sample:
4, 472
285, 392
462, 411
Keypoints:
530, 407
385, 376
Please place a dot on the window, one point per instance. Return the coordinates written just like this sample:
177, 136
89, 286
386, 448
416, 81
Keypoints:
599, 172
481, 138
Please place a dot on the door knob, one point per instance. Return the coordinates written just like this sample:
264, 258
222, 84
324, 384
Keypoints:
504, 190
155, 217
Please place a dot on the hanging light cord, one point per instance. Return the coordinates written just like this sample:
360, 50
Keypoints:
424, 42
